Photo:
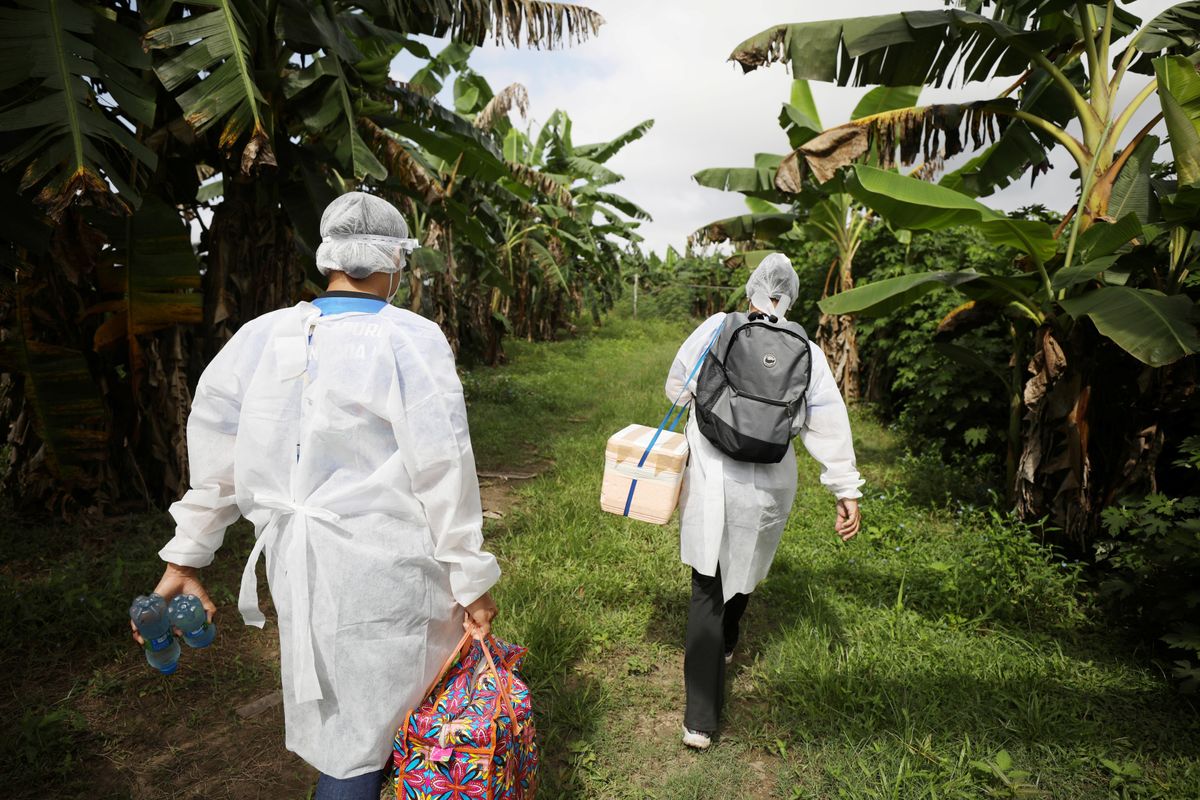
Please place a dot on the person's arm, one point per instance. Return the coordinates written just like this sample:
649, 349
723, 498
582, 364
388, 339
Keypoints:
209, 506
429, 418
689, 353
826, 435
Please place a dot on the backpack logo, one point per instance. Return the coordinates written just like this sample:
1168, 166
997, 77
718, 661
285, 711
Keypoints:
769, 360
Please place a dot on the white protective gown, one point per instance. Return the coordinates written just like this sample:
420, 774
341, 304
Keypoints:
732, 513
344, 440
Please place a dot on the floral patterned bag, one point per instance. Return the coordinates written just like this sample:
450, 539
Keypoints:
473, 735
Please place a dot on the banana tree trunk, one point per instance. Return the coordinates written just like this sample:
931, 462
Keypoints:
1093, 430
837, 338
253, 266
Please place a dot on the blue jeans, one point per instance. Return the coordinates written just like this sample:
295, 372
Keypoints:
360, 787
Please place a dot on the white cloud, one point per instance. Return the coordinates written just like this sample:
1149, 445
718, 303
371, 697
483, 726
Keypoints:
666, 60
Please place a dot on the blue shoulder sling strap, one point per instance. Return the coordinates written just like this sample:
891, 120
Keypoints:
673, 422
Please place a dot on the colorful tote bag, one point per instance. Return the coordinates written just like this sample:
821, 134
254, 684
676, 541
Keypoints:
472, 737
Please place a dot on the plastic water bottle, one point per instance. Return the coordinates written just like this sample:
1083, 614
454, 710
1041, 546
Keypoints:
188, 614
149, 614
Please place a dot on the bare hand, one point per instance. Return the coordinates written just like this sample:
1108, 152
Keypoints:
179, 580
478, 619
848, 518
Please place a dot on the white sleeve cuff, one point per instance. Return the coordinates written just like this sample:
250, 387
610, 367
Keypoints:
186, 552
472, 577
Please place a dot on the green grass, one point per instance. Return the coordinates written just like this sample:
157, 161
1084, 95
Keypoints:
940, 654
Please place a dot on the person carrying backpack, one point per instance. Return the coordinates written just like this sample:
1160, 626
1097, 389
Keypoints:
762, 382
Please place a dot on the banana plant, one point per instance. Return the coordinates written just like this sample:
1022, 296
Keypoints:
1059, 54
126, 129
576, 243
1116, 284
1061, 59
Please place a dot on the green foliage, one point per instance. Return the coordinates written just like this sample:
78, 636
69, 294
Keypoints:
694, 285
958, 409
40, 744
995, 569
1150, 571
133, 128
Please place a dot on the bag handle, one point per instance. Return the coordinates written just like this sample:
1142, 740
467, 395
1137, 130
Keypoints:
503, 685
665, 419
690, 377
503, 693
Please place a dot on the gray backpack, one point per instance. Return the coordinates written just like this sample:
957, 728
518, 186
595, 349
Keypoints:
751, 389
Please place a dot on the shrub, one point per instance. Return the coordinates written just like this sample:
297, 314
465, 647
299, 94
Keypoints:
1150, 570
940, 403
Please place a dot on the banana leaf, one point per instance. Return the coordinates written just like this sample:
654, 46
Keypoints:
1179, 94
1104, 238
1155, 328
1176, 30
216, 45
747, 258
56, 51
603, 151
155, 273
1133, 191
885, 98
883, 297
907, 49
799, 117
1082, 273
913, 204
751, 181
63, 398
531, 23
748, 227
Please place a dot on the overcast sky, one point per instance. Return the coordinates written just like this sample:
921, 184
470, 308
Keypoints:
667, 60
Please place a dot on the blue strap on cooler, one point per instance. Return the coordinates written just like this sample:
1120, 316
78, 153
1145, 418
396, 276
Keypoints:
665, 419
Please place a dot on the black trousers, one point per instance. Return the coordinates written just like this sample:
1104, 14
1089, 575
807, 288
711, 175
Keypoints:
712, 631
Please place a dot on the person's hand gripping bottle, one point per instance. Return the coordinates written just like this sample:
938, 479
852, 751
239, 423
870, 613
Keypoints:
149, 614
188, 614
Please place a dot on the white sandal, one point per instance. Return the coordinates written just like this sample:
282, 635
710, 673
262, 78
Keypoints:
697, 740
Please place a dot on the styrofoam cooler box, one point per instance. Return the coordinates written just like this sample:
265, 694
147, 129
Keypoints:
659, 479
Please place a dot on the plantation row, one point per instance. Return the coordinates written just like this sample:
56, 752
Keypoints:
171, 189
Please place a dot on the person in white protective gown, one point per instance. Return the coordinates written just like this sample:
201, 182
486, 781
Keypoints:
338, 427
732, 513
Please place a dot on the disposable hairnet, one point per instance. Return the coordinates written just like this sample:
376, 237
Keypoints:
361, 234
773, 278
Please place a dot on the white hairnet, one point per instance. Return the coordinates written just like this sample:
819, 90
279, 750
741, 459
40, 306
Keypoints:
361, 234
773, 278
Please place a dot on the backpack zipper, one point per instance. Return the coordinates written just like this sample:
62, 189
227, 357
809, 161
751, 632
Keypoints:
738, 332
734, 389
